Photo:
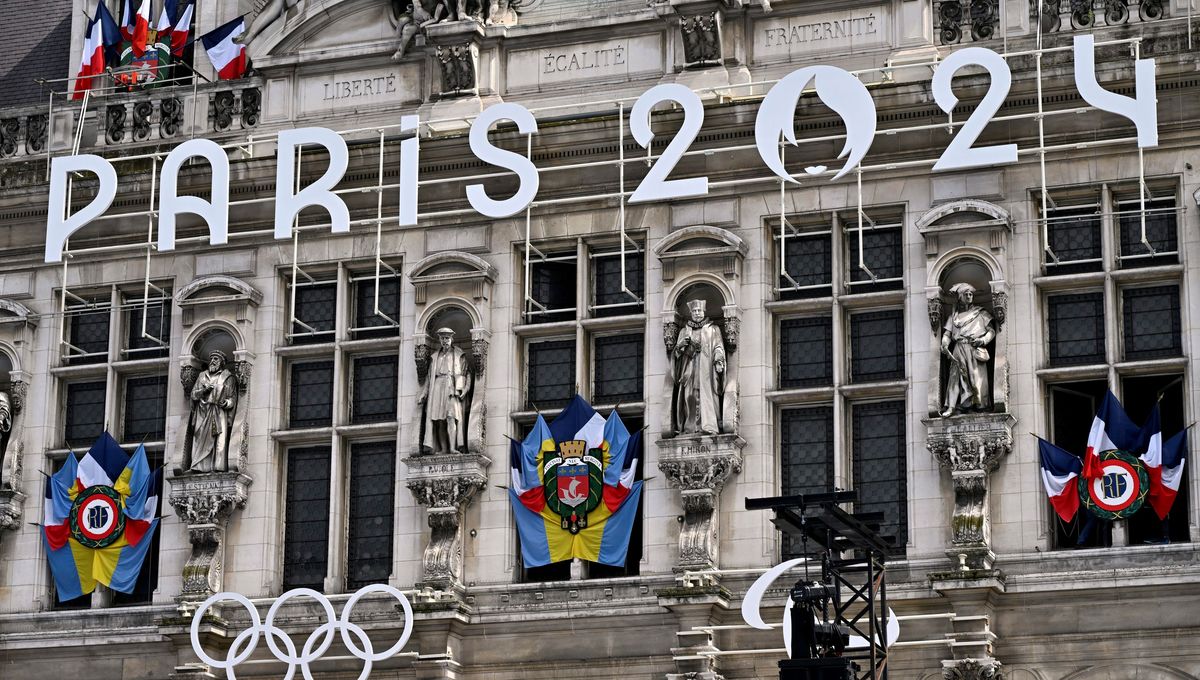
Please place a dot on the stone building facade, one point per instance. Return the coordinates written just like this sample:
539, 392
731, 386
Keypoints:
834, 376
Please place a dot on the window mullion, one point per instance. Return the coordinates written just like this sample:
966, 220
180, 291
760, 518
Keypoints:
838, 253
335, 575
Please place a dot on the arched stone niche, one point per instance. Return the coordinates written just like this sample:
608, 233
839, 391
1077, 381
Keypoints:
472, 340
976, 270
215, 372
17, 327
452, 273
715, 298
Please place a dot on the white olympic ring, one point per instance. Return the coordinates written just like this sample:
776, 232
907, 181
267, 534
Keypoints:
249, 637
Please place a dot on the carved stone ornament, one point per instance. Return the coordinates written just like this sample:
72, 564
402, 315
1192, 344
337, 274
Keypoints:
701, 39
458, 68
699, 468
479, 353
973, 669
445, 484
421, 355
205, 502
36, 127
12, 507
935, 313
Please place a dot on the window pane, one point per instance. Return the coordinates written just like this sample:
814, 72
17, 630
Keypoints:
877, 346
618, 369
84, 419
1076, 328
879, 465
158, 325
89, 334
607, 271
311, 403
1151, 322
553, 286
372, 488
551, 373
809, 261
806, 443
806, 352
1161, 220
145, 408
364, 310
316, 306
306, 518
374, 398
1074, 236
881, 254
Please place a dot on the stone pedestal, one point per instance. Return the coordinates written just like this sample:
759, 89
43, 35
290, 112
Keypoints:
445, 484
205, 501
12, 507
695, 606
970, 447
699, 466
463, 82
972, 595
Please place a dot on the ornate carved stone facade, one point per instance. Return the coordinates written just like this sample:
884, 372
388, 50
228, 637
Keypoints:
445, 485
699, 466
205, 503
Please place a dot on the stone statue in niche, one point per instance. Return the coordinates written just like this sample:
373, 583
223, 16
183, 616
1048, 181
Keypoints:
214, 401
965, 337
443, 395
6, 425
699, 370
412, 19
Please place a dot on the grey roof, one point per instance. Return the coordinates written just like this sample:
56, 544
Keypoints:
35, 41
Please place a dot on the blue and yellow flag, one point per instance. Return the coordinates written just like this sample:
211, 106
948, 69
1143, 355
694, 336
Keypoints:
99, 519
573, 490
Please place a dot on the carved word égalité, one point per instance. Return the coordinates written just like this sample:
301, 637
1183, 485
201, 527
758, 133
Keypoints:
584, 60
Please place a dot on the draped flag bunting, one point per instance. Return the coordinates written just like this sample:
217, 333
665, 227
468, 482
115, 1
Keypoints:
573, 487
1060, 472
1164, 464
99, 519
1111, 430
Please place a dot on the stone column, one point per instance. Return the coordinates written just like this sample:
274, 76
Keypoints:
205, 502
699, 467
445, 484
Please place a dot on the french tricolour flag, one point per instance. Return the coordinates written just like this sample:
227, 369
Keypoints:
1111, 429
92, 62
141, 29
1164, 464
179, 33
1060, 476
127, 19
166, 22
228, 57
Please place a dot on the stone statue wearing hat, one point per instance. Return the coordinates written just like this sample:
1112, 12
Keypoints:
443, 395
214, 399
699, 363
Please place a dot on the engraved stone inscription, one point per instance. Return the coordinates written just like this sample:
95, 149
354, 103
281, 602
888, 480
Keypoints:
781, 37
355, 89
377, 86
609, 60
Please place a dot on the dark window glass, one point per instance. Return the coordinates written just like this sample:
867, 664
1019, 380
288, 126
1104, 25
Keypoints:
881, 253
372, 489
607, 271
1161, 221
551, 373
88, 334
806, 352
316, 305
311, 403
618, 369
809, 261
806, 443
306, 518
877, 346
85, 413
1071, 408
1076, 325
879, 465
145, 408
1151, 322
553, 286
158, 325
1074, 235
374, 398
367, 323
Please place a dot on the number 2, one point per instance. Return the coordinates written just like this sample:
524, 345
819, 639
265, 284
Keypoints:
655, 186
962, 152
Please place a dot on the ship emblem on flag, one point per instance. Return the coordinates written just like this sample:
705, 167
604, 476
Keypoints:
573, 481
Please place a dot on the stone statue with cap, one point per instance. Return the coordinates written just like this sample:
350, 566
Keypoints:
442, 398
214, 400
964, 342
699, 371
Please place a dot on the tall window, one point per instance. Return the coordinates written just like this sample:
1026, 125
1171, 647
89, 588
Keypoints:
841, 409
340, 452
1116, 324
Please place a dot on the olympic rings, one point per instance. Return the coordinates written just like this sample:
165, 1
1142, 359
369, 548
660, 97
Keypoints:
246, 642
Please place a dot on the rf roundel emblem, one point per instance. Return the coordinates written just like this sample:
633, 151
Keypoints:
1120, 489
96, 519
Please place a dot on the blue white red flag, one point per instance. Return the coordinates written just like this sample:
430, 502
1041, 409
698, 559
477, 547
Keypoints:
179, 34
1111, 429
141, 29
227, 56
1060, 472
1164, 464
166, 21
91, 62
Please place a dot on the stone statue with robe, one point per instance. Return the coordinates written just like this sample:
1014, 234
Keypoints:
699, 370
214, 400
965, 338
6, 424
443, 395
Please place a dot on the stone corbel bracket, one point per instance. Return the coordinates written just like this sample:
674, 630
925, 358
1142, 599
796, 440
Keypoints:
445, 484
972, 669
12, 508
699, 468
205, 502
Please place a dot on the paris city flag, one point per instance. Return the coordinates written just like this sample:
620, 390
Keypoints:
1060, 476
227, 56
1164, 464
99, 519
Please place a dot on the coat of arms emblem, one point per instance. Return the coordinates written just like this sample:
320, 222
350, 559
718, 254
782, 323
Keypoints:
574, 483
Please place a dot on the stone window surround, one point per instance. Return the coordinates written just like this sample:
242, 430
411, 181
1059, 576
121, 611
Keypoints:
1111, 280
341, 434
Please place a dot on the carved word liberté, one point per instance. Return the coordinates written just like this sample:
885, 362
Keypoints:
821, 30
360, 87
838, 89
583, 61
